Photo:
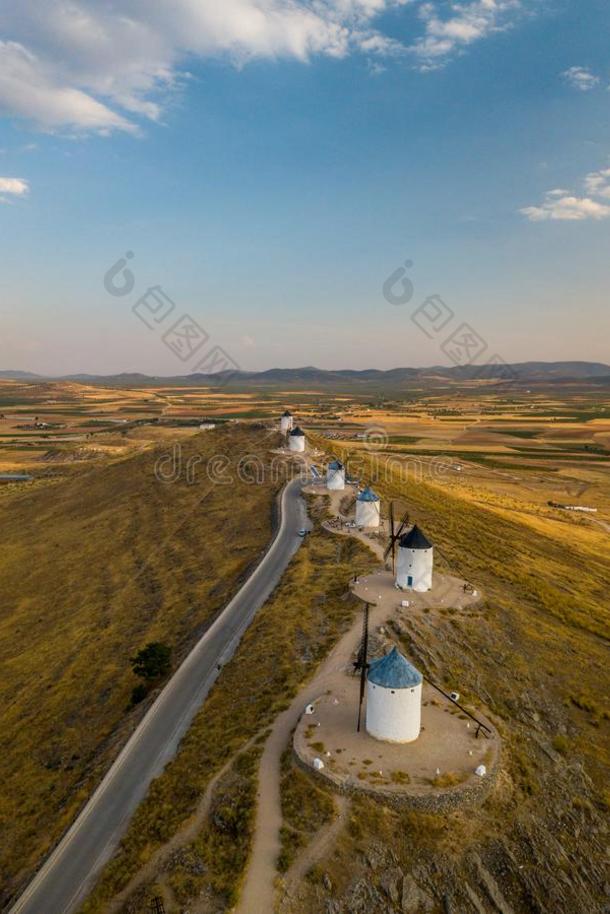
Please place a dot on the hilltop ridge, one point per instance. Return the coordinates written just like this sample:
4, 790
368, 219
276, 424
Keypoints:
517, 372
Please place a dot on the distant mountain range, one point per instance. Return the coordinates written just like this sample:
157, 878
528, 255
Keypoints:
19, 376
519, 372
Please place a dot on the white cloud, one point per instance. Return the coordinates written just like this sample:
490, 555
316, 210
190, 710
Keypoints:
13, 187
466, 23
90, 65
581, 78
566, 208
27, 90
560, 204
597, 183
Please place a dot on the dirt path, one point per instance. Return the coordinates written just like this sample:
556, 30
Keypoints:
317, 848
259, 889
258, 893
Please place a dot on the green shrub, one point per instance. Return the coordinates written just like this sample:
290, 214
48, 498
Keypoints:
138, 694
153, 662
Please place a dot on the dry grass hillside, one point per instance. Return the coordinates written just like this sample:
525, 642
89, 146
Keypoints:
536, 656
190, 838
91, 569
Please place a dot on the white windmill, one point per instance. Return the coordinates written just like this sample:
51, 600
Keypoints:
296, 440
414, 561
368, 509
286, 422
335, 475
393, 699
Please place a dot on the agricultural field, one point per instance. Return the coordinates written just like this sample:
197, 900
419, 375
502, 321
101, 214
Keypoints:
490, 479
66, 422
49, 428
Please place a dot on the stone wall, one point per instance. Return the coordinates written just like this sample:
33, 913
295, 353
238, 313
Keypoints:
469, 794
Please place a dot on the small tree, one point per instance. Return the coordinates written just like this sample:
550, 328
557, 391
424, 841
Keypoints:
138, 694
153, 662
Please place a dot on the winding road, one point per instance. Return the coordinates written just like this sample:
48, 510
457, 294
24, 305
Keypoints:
68, 874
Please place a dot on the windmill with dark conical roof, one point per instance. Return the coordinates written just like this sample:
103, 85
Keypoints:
296, 440
414, 561
286, 422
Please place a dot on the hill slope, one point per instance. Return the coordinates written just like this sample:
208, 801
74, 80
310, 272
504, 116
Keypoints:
91, 569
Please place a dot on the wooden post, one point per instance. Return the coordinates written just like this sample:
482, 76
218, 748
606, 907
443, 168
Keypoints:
363, 662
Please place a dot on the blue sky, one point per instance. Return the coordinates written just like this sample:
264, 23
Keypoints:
271, 163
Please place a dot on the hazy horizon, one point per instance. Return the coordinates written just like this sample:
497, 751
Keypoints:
331, 368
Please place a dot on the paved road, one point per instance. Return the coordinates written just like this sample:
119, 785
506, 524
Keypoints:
69, 873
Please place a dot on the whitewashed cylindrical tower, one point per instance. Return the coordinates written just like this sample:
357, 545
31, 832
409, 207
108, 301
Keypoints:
296, 440
414, 561
393, 699
286, 422
335, 475
368, 508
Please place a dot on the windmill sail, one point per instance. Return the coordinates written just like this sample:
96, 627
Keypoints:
395, 535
